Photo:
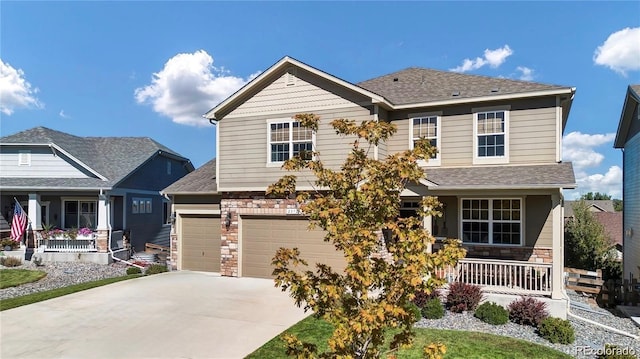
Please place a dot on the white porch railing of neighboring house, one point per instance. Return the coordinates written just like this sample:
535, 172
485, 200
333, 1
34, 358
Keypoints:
66, 244
503, 276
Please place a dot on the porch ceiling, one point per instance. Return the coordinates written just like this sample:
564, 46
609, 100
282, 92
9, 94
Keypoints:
557, 175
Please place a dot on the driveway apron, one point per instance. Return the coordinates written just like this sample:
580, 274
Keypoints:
171, 315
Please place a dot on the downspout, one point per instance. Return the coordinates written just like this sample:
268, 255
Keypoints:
109, 230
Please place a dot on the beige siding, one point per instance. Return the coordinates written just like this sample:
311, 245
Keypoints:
400, 141
538, 221
532, 135
243, 144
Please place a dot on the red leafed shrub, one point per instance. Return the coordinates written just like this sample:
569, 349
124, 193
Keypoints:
141, 263
463, 296
422, 297
528, 311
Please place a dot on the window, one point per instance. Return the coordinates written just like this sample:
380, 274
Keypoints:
141, 205
426, 127
166, 212
24, 158
491, 139
80, 214
169, 167
492, 221
288, 139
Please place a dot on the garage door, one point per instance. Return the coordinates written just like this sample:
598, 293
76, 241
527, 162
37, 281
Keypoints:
261, 238
200, 242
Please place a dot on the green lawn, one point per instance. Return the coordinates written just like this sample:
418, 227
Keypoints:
38, 297
15, 277
460, 344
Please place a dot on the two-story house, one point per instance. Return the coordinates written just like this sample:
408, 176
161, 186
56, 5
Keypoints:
102, 185
498, 172
628, 139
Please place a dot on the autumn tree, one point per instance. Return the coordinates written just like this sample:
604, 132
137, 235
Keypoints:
353, 204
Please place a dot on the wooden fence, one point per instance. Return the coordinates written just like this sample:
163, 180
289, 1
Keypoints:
610, 293
584, 280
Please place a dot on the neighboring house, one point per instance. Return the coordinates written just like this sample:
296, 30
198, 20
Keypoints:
592, 205
106, 184
628, 139
612, 224
498, 172
195, 218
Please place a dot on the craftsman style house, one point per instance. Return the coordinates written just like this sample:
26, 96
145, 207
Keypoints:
498, 172
79, 191
628, 139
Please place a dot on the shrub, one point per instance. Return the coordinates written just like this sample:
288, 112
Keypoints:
422, 297
433, 309
557, 330
9, 242
528, 311
155, 269
615, 352
463, 297
133, 270
492, 313
414, 311
10, 261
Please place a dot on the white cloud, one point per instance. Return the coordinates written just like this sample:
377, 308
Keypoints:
188, 86
621, 51
63, 115
526, 73
493, 58
580, 148
15, 90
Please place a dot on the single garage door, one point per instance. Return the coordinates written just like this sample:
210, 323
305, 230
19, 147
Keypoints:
261, 238
200, 242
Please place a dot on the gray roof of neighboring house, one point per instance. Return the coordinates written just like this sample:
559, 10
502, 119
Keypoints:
418, 85
603, 205
202, 181
559, 175
115, 158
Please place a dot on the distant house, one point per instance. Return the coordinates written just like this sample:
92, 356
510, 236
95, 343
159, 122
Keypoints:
612, 223
592, 205
628, 139
103, 184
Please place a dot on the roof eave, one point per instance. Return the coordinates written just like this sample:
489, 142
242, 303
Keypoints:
625, 117
53, 189
503, 187
188, 193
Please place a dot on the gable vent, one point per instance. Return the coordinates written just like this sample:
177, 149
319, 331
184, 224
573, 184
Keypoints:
290, 77
24, 158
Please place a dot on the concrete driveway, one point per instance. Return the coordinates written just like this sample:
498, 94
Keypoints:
170, 315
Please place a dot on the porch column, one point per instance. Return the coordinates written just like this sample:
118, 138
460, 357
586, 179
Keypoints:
102, 242
558, 247
35, 212
427, 224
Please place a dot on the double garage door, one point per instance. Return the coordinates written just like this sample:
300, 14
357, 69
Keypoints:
261, 238
200, 242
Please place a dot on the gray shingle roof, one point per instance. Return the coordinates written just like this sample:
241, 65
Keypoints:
605, 205
418, 85
636, 89
112, 157
202, 180
559, 175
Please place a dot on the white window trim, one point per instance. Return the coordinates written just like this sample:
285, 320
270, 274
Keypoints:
496, 159
24, 158
290, 121
490, 221
143, 204
63, 212
432, 162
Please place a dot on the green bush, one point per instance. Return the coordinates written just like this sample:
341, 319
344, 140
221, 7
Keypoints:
155, 269
528, 311
133, 270
10, 261
615, 352
414, 311
463, 296
557, 330
9, 242
492, 313
433, 309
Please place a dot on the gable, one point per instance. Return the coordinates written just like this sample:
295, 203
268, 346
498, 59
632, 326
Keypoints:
629, 125
39, 162
156, 174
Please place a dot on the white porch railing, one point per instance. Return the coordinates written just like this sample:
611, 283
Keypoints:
65, 244
503, 276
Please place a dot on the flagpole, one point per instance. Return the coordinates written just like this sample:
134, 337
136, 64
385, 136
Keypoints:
29, 222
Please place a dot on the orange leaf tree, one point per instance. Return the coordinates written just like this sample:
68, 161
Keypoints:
353, 205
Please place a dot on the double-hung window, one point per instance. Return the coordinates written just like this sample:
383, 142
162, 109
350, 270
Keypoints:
492, 221
491, 137
287, 139
427, 128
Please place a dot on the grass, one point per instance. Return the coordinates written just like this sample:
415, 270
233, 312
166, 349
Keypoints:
460, 344
54, 293
16, 277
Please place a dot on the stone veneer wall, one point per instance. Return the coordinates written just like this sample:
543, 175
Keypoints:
528, 254
244, 203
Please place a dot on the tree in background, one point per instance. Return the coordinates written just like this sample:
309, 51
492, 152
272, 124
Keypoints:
353, 205
617, 205
595, 196
586, 243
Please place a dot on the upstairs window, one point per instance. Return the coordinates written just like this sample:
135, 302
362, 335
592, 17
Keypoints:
428, 128
288, 139
491, 137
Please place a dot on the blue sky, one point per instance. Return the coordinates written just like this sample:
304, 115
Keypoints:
152, 68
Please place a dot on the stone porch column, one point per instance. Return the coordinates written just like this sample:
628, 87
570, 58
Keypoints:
35, 211
102, 243
558, 247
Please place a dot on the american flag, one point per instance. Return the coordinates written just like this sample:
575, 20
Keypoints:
18, 223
